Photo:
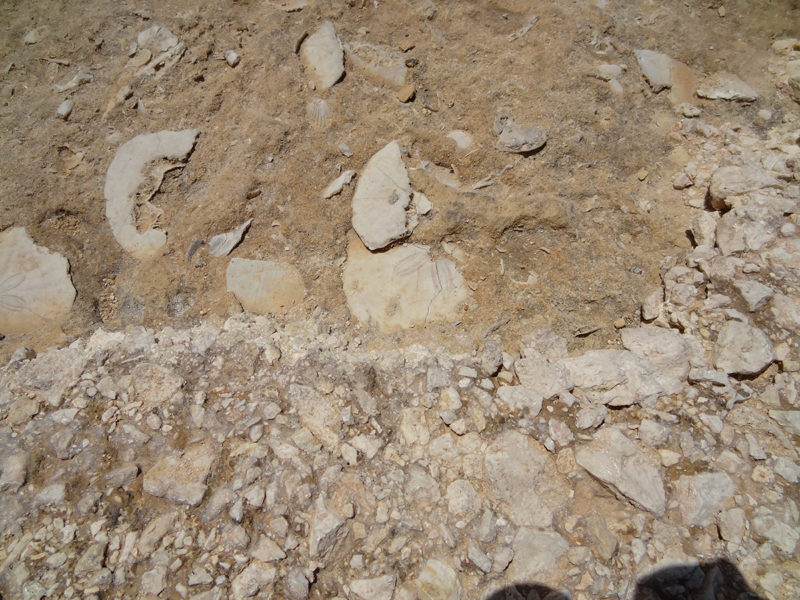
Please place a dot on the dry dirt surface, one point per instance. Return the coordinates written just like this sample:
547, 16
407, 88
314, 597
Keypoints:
579, 234
543, 329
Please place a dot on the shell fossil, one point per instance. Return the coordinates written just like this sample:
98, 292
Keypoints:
318, 112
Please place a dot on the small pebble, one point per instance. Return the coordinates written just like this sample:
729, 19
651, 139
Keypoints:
232, 58
65, 109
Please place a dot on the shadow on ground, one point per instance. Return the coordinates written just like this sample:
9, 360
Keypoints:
714, 580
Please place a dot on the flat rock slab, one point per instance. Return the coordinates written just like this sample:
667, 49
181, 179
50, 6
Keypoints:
402, 287
727, 86
181, 477
381, 198
626, 468
536, 556
702, 496
35, 286
323, 55
736, 181
126, 175
618, 377
742, 349
265, 286
524, 479
667, 349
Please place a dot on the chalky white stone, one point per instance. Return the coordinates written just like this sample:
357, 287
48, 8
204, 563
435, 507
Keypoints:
35, 287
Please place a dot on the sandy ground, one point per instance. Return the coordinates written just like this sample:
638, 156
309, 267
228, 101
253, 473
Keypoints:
579, 221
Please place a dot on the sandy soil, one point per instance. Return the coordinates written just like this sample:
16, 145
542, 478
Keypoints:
578, 218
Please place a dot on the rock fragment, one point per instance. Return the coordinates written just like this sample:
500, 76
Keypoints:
381, 198
323, 55
181, 477
536, 556
337, 185
376, 588
402, 287
253, 577
702, 496
223, 243
626, 468
727, 86
35, 286
524, 479
438, 581
265, 286
742, 350
382, 64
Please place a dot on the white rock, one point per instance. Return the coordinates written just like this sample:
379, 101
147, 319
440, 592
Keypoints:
517, 398
736, 181
254, 577
626, 468
13, 472
667, 349
754, 293
704, 227
126, 175
743, 350
377, 588
402, 287
656, 67
726, 86
702, 496
438, 581
788, 419
35, 286
413, 427
521, 139
421, 204
382, 64
732, 525
525, 479
323, 55
381, 198
154, 581
590, 417
766, 525
462, 139
264, 286
231, 58
154, 384
222, 244
327, 527
267, 550
337, 185
662, 72
64, 109
543, 377
784, 467
536, 556
181, 477
462, 500
478, 557
618, 377
318, 413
